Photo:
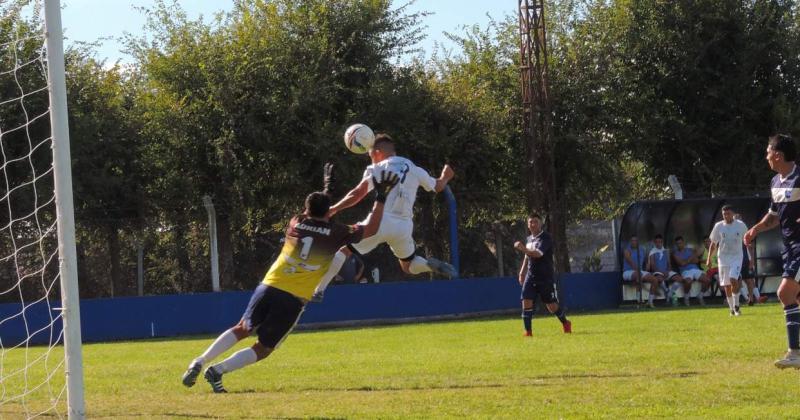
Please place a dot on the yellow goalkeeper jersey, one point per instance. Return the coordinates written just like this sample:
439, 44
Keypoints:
307, 253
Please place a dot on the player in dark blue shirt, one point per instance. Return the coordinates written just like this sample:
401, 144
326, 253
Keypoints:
536, 275
785, 211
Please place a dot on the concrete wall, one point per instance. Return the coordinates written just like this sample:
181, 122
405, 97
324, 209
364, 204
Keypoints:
584, 237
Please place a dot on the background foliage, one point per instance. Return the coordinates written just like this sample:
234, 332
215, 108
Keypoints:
247, 107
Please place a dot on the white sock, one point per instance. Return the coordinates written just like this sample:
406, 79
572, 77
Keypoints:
336, 264
225, 341
650, 298
735, 300
743, 292
419, 265
756, 293
730, 301
237, 360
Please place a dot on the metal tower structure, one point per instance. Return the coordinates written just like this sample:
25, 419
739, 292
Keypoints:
541, 191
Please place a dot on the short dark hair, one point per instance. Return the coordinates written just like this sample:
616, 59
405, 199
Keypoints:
784, 143
382, 138
535, 215
678, 238
317, 204
727, 207
658, 236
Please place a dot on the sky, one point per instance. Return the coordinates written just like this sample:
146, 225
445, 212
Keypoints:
93, 20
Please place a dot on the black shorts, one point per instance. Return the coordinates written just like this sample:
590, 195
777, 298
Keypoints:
746, 272
546, 290
791, 261
272, 313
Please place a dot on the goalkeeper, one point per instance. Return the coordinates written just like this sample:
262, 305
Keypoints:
277, 303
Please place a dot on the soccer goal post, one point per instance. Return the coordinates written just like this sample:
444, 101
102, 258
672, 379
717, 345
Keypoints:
39, 301
62, 175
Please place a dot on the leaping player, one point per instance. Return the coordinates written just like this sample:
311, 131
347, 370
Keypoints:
397, 226
277, 303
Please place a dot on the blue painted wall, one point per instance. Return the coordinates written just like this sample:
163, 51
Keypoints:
204, 313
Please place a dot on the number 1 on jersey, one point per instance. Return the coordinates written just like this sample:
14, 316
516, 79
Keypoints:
307, 241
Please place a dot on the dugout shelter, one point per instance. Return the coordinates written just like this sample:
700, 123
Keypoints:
693, 219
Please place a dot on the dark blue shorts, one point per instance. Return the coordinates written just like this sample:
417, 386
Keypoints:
272, 313
791, 261
544, 289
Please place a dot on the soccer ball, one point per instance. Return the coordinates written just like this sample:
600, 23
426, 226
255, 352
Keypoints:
359, 138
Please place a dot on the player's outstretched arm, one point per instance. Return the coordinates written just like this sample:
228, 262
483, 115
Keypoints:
444, 178
769, 221
352, 198
382, 187
329, 180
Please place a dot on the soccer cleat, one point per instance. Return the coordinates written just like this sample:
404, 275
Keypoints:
736, 311
214, 379
190, 376
527, 334
791, 360
733, 313
318, 296
567, 327
442, 267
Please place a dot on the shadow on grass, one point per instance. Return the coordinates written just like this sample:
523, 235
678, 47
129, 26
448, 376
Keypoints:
540, 380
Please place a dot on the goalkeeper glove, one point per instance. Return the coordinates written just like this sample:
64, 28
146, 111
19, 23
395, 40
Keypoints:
387, 182
328, 179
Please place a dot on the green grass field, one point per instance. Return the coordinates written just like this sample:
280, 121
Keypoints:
687, 362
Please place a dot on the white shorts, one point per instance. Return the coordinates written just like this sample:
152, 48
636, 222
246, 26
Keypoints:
395, 232
667, 276
693, 274
628, 275
728, 272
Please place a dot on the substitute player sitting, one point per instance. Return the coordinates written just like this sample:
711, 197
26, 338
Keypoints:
277, 303
660, 265
634, 259
726, 242
398, 226
687, 259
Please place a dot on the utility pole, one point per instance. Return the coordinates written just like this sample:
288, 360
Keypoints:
541, 191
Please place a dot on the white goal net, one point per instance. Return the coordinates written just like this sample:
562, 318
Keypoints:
33, 366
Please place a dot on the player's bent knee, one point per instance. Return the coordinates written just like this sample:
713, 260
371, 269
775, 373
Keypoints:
527, 303
240, 330
405, 266
261, 350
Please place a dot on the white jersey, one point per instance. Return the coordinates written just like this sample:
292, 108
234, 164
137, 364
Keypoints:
728, 237
400, 201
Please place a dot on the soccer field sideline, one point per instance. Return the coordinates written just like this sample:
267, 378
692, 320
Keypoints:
683, 362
